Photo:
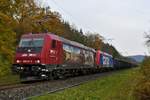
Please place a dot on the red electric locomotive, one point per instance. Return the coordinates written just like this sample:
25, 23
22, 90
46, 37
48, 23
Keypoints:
104, 60
46, 56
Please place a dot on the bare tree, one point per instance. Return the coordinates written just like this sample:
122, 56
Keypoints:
147, 36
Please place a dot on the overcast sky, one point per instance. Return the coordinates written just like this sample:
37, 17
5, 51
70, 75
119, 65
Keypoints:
125, 21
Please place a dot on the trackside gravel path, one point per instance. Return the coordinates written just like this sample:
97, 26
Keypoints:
36, 89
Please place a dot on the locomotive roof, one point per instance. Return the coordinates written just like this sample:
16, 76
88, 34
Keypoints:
30, 35
104, 53
70, 42
56, 37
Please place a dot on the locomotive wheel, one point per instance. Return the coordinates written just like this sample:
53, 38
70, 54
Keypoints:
55, 75
61, 74
50, 76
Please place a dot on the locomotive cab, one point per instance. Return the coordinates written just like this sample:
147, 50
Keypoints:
30, 58
29, 51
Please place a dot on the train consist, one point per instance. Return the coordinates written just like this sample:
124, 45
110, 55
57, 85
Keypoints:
48, 56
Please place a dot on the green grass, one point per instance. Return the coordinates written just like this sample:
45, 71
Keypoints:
9, 79
118, 86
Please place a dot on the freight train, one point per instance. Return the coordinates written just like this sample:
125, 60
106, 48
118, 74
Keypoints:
48, 56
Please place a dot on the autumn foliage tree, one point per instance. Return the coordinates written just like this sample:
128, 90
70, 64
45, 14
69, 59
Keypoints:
7, 42
94, 40
142, 88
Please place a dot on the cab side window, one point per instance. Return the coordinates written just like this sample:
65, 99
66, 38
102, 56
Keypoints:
53, 44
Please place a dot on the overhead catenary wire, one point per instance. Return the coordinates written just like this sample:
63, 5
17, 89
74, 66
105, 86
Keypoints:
65, 12
75, 19
70, 15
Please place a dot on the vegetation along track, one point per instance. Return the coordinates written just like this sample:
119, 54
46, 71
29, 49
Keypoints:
25, 91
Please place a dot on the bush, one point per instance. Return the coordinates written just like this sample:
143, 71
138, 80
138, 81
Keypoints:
142, 89
7, 44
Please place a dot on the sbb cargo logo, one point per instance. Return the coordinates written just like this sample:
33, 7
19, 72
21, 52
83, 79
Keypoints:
105, 60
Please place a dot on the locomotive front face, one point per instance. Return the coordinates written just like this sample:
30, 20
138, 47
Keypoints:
29, 50
29, 53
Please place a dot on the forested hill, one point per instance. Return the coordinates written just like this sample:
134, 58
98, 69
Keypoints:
138, 58
18, 17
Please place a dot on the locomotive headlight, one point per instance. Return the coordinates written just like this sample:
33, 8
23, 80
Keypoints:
37, 61
18, 61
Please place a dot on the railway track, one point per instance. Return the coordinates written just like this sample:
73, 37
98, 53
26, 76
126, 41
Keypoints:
26, 91
10, 86
18, 85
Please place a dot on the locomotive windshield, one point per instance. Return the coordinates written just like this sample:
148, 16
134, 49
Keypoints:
38, 42
33, 45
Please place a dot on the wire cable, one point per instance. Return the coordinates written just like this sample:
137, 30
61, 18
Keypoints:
69, 14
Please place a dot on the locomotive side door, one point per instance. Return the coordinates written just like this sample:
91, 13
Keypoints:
55, 52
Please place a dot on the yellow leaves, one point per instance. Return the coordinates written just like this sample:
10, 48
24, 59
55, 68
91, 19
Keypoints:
7, 41
95, 41
7, 37
4, 18
142, 88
